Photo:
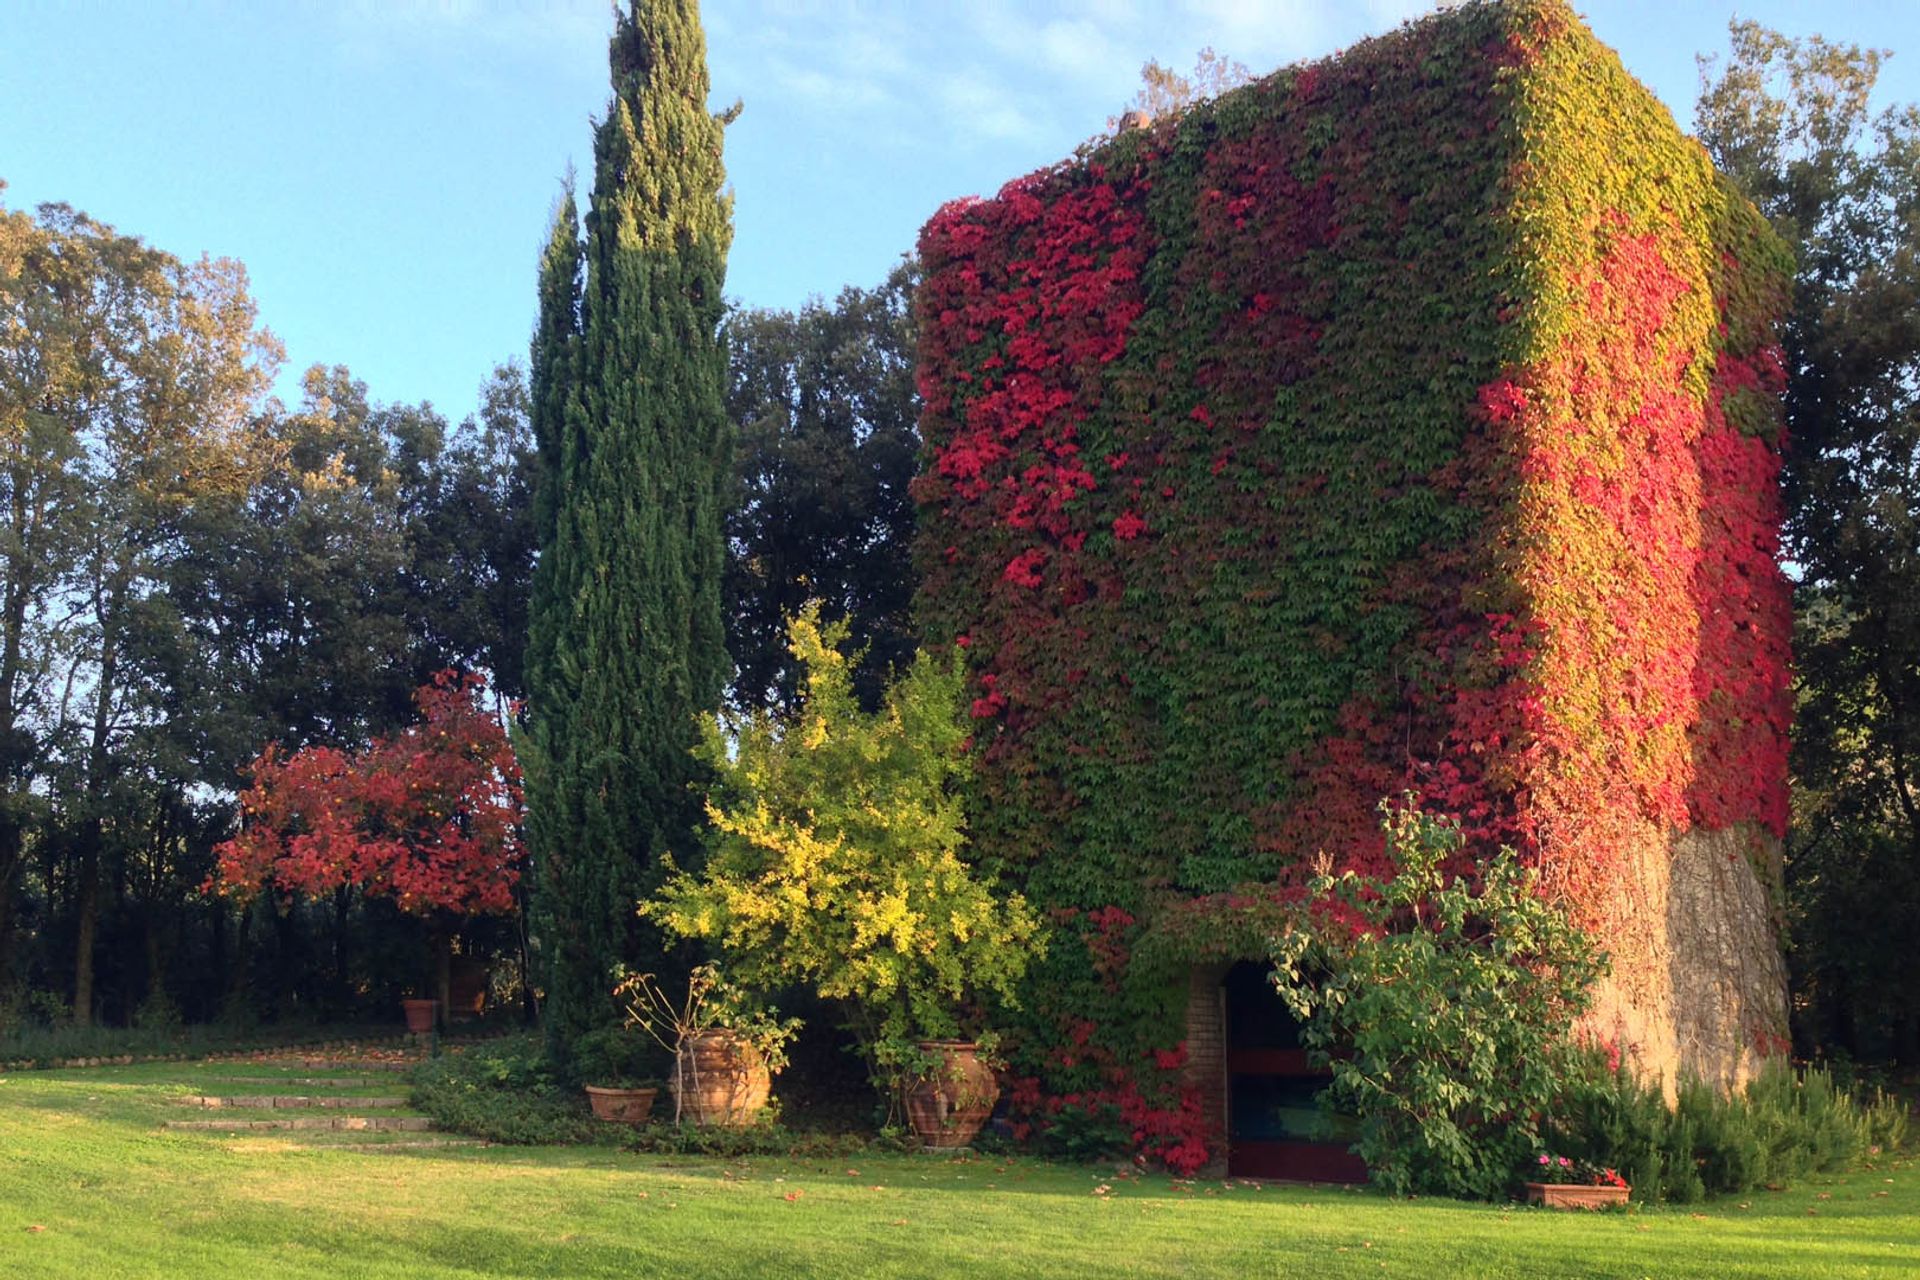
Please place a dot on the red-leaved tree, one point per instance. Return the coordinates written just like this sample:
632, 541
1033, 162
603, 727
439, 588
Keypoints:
429, 816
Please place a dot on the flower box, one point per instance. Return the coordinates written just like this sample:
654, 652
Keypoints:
1574, 1195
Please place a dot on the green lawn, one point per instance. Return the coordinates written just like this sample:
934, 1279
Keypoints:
91, 1187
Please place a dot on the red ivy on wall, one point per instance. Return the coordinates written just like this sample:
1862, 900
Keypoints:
1257, 500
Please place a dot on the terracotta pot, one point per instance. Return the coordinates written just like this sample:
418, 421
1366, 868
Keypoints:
420, 1015
948, 1105
720, 1079
623, 1106
1571, 1195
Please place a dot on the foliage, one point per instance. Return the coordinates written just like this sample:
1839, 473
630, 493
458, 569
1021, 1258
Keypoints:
192, 570
626, 643
429, 816
1399, 421
711, 1003
1792, 121
1164, 91
127, 383
506, 1092
1560, 1171
835, 854
1783, 1126
825, 411
1442, 1004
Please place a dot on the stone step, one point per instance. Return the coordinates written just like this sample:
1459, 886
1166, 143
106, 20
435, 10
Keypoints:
339, 1064
282, 1101
406, 1124
316, 1082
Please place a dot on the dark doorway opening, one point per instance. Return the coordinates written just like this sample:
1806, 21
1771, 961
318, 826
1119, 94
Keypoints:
1274, 1126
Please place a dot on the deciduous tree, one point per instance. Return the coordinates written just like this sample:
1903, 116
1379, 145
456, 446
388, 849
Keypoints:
1793, 121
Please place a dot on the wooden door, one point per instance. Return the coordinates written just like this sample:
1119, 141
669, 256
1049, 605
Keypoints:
1273, 1118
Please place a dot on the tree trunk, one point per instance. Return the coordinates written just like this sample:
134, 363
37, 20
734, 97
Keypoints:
92, 820
342, 909
9, 876
440, 976
156, 996
87, 922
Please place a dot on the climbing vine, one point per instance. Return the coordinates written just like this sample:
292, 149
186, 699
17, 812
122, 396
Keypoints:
1403, 421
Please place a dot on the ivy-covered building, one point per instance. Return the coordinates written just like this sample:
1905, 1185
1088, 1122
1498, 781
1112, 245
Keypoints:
1407, 421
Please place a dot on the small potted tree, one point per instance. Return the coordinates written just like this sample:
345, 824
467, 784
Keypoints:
725, 1052
834, 860
616, 1064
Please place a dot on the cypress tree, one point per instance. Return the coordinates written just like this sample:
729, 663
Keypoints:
626, 644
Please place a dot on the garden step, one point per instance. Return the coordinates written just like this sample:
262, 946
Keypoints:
281, 1101
341, 1064
317, 1082
408, 1124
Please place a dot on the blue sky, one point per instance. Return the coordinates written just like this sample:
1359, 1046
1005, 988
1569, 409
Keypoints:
385, 168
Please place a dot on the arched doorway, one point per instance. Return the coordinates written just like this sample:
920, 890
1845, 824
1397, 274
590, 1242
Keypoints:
1273, 1120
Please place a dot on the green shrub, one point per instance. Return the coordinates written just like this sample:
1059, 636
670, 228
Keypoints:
837, 857
507, 1091
1781, 1127
1441, 1003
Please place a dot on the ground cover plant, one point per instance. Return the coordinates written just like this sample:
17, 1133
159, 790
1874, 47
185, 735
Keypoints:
93, 1186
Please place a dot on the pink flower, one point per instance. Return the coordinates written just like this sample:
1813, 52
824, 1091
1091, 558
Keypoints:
1543, 1159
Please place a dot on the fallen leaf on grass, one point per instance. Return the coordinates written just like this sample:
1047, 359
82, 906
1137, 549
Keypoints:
899, 1222
36, 1227
791, 1196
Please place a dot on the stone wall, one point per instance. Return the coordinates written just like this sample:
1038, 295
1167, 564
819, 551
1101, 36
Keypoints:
1698, 983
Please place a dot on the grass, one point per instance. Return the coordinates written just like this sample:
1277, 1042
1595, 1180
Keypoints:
92, 1187
46, 1045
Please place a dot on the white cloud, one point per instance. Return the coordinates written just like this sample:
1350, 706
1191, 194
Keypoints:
979, 106
483, 39
827, 90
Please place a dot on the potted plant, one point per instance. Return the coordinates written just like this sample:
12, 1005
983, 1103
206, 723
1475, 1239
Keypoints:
616, 1062
1561, 1182
834, 860
948, 1088
725, 1050
420, 1015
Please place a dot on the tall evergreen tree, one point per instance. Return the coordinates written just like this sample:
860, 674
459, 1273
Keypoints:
626, 643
